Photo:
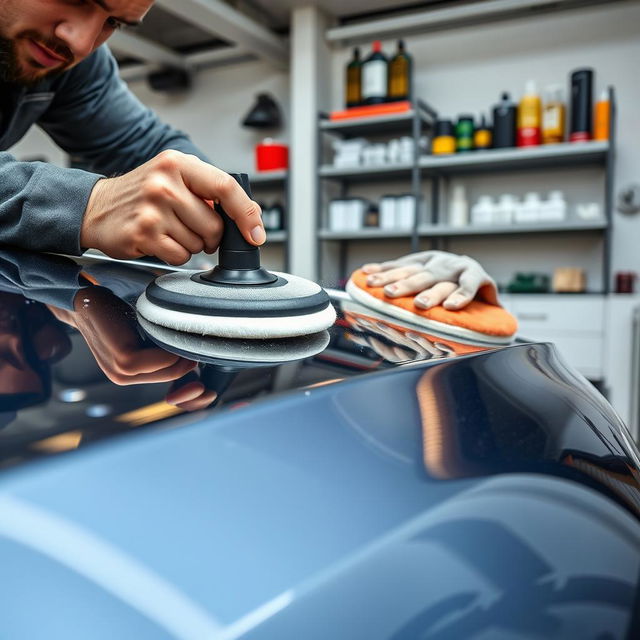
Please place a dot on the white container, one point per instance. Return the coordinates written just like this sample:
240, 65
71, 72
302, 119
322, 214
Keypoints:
405, 211
482, 211
505, 209
529, 211
387, 210
459, 207
588, 211
337, 215
554, 209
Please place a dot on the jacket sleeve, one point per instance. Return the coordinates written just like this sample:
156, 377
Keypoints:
96, 119
41, 205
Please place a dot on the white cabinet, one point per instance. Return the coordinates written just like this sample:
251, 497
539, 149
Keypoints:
574, 323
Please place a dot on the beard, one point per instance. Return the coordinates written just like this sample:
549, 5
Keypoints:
12, 72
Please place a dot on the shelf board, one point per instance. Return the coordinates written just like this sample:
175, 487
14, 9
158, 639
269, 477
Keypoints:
363, 174
443, 231
365, 234
269, 178
564, 154
372, 125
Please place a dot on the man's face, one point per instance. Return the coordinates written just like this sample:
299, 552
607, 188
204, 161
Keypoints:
43, 37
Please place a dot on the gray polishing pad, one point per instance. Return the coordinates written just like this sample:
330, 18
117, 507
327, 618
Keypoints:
240, 352
292, 306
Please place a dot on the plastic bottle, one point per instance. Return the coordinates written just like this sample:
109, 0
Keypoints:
529, 117
602, 117
529, 210
354, 80
555, 208
400, 74
464, 133
374, 76
458, 208
505, 209
444, 140
581, 105
504, 123
482, 136
553, 116
482, 211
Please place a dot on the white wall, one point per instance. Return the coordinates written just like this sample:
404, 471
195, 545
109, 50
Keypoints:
465, 70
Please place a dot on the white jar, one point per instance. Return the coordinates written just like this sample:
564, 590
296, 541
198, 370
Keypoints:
529, 211
482, 211
555, 208
505, 209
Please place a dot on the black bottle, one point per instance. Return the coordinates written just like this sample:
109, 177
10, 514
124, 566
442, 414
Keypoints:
375, 73
504, 123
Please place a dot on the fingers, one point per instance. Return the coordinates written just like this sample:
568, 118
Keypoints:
167, 249
417, 282
209, 183
468, 284
435, 295
191, 397
387, 277
200, 221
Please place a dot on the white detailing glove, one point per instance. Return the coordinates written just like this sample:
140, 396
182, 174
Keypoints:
436, 276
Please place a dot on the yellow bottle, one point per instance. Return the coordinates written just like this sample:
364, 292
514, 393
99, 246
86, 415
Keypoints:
529, 132
553, 116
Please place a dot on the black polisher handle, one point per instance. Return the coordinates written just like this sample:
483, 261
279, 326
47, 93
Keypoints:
238, 260
235, 251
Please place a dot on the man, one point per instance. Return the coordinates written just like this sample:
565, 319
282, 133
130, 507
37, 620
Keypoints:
55, 72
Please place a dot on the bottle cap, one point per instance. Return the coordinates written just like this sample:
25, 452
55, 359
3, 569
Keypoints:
505, 96
443, 128
377, 46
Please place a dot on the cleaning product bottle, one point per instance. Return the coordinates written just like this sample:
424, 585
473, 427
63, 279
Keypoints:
602, 117
464, 133
553, 116
529, 117
581, 109
459, 208
374, 76
354, 80
400, 73
504, 123
444, 140
482, 136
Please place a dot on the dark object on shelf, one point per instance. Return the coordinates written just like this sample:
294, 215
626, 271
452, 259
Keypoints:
265, 113
372, 217
581, 128
504, 123
273, 217
354, 80
400, 74
375, 71
482, 137
444, 138
625, 281
529, 283
464, 133
169, 80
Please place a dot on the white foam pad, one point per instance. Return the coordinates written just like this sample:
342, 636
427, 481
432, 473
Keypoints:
247, 351
237, 327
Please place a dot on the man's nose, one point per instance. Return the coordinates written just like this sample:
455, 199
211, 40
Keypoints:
81, 36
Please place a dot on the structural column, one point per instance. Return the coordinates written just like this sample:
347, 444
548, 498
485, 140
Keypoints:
310, 93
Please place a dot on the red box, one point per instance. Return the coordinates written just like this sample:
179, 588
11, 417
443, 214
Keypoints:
271, 156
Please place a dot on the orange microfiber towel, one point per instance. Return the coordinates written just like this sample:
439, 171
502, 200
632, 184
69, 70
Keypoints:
477, 321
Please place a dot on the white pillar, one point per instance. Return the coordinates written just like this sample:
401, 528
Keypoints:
310, 82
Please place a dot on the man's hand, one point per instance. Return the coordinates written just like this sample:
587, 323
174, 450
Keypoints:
436, 276
159, 209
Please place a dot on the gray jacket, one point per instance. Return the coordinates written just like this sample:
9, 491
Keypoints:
89, 112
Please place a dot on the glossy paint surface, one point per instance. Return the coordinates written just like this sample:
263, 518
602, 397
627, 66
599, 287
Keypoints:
397, 485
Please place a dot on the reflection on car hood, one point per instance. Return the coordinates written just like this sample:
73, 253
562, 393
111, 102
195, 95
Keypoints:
394, 484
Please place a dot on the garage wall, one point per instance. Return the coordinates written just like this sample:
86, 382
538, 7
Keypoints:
457, 71
465, 70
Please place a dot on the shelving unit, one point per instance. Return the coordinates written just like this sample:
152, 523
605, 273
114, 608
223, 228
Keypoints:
438, 169
272, 180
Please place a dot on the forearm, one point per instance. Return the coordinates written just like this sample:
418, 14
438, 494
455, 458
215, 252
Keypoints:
42, 206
